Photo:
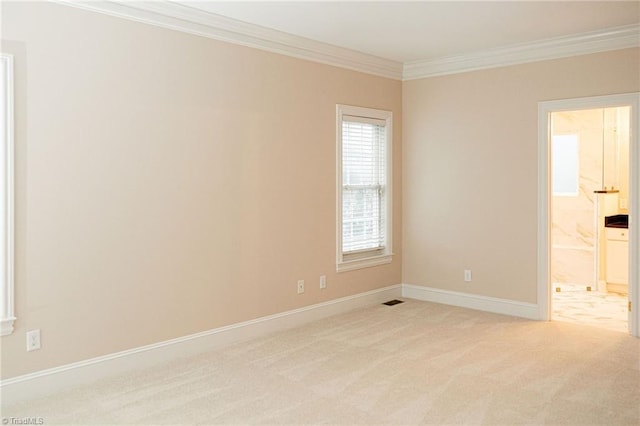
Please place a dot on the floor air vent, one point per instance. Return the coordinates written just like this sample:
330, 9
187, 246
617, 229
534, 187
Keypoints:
393, 302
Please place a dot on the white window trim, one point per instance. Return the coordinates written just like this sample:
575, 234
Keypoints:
577, 191
7, 318
373, 257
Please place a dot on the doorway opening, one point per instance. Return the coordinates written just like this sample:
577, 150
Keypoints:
589, 173
588, 199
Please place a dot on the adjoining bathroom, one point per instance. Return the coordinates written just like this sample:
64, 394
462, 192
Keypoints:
589, 211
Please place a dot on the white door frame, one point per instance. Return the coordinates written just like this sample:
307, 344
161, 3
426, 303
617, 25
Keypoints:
544, 190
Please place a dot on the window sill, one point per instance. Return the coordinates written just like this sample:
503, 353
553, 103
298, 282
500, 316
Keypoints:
366, 262
7, 326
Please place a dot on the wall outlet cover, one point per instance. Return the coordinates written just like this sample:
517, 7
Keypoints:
33, 340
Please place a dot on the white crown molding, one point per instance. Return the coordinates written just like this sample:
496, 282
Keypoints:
190, 20
555, 48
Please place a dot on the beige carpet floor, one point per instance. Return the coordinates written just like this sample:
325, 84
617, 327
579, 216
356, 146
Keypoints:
413, 363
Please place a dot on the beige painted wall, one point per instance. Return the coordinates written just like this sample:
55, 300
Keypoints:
470, 168
168, 184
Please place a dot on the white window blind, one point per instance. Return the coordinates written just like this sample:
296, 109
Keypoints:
363, 184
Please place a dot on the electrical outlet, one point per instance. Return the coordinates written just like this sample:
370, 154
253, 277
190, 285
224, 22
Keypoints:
33, 340
467, 275
323, 281
300, 286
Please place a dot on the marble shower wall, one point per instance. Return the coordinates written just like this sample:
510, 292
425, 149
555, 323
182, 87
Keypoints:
574, 230
623, 126
603, 140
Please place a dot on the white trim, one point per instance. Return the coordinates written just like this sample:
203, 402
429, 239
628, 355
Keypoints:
180, 17
543, 267
44, 382
7, 316
471, 301
190, 20
554, 48
544, 233
351, 265
6, 326
344, 264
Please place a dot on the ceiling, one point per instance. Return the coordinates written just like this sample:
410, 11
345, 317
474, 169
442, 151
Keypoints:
415, 31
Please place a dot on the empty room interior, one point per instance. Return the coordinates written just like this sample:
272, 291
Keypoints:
320, 212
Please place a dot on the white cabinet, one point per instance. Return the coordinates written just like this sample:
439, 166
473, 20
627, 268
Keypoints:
617, 257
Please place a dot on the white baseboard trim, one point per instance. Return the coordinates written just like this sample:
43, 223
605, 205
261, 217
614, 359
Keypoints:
472, 301
65, 377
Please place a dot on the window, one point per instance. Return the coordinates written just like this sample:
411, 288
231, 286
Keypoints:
565, 165
364, 187
6, 194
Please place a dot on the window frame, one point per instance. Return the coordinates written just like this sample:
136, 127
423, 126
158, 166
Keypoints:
7, 317
368, 257
554, 163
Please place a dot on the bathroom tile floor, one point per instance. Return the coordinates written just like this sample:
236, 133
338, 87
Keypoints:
577, 305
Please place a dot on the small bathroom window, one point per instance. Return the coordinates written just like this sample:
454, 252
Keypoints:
565, 159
